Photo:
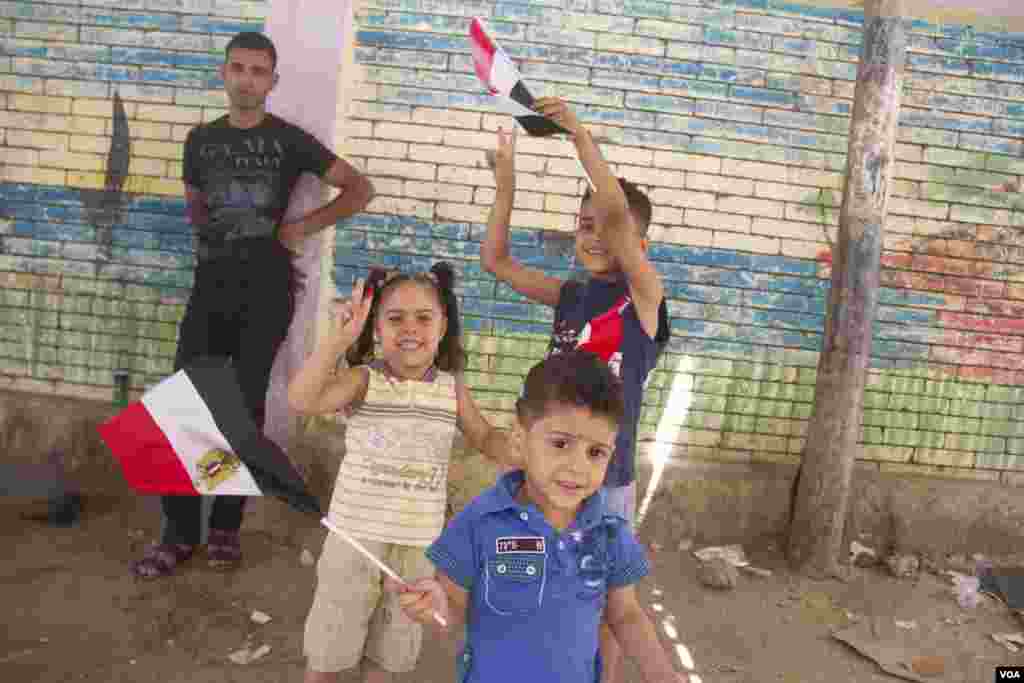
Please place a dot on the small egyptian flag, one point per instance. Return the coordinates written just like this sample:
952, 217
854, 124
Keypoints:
501, 77
192, 434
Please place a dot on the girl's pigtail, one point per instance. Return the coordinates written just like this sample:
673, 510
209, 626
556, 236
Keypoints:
361, 352
451, 356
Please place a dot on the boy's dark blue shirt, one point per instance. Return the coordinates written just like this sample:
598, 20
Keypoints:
536, 595
600, 316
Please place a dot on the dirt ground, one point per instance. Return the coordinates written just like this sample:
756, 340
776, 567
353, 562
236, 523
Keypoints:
71, 611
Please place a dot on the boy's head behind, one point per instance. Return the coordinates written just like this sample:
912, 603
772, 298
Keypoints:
569, 415
593, 255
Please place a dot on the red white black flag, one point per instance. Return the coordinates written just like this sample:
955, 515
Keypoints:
192, 434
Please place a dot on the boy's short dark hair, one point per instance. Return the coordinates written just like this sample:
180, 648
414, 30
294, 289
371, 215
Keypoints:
577, 378
638, 202
253, 40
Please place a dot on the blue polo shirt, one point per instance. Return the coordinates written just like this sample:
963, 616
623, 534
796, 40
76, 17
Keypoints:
536, 595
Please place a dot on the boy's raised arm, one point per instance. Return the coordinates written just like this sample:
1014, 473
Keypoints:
494, 255
618, 229
493, 443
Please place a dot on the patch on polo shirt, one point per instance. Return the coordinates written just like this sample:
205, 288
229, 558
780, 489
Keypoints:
520, 544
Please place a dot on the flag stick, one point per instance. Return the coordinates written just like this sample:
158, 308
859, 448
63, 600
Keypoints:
372, 558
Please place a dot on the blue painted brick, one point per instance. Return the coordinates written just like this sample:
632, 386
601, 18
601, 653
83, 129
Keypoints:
674, 105
560, 54
131, 55
693, 88
1013, 72
763, 96
202, 24
752, 41
988, 143
646, 8
948, 65
622, 117
932, 119
198, 60
514, 11
409, 40
127, 19
632, 136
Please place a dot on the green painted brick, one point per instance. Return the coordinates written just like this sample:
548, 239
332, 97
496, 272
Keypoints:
873, 435
953, 157
1000, 428
512, 366
741, 387
807, 375
777, 390
936, 137
711, 366
739, 423
1003, 394
904, 402
170, 313
776, 408
907, 385
975, 442
876, 399
902, 437
709, 402
936, 422
931, 404
1004, 164
955, 390
804, 394
743, 370
1003, 461
712, 385
802, 410
767, 425
747, 406
968, 408
998, 411
930, 439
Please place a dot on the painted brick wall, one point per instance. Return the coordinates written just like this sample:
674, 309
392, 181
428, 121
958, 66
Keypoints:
733, 117
96, 98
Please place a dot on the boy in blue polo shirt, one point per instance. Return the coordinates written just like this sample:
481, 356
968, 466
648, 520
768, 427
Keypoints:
530, 566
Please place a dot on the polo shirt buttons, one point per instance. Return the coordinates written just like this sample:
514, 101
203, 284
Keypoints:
523, 516
561, 545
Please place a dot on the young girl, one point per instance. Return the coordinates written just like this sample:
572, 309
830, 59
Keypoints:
404, 396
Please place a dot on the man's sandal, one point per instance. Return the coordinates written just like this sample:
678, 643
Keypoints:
161, 560
224, 549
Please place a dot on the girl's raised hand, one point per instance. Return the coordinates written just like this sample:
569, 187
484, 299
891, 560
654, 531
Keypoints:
502, 159
348, 316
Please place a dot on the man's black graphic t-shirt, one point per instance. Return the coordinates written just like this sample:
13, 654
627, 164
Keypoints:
247, 176
598, 316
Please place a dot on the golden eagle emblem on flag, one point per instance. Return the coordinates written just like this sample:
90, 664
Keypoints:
216, 467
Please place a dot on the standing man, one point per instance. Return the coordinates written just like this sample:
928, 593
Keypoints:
239, 173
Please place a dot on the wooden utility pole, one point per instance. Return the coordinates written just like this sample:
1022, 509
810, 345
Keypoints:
823, 484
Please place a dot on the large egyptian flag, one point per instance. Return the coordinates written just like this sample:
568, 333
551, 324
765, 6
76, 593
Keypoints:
191, 434
501, 78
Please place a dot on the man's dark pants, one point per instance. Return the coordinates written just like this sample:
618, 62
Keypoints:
241, 307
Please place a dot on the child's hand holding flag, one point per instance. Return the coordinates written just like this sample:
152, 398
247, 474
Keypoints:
423, 600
